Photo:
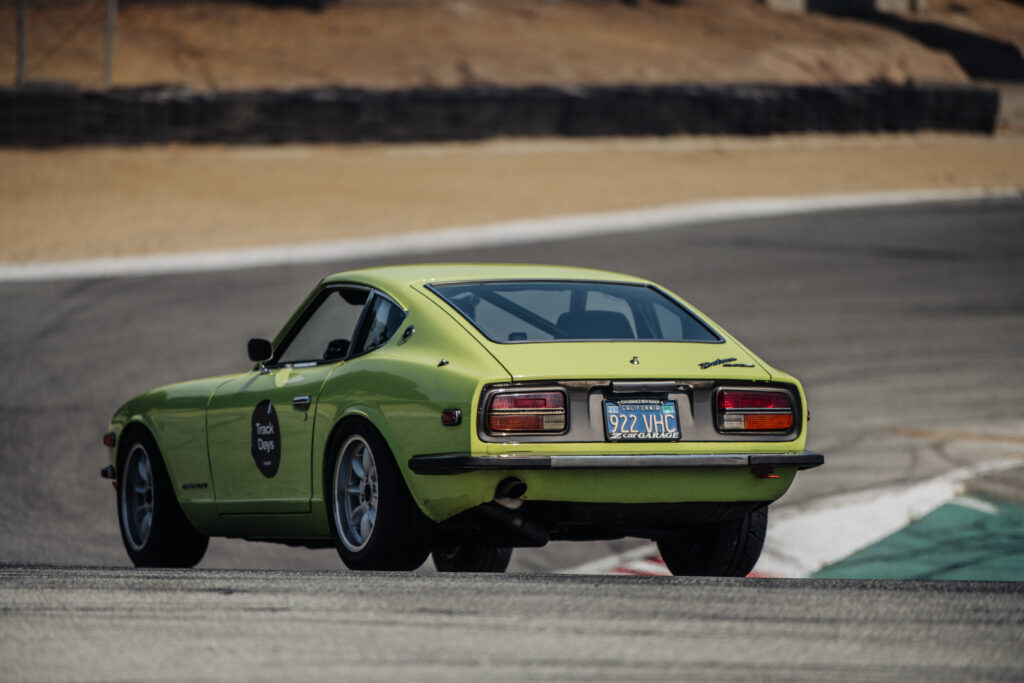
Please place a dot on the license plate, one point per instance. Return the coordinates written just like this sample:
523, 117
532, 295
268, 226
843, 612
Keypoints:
641, 419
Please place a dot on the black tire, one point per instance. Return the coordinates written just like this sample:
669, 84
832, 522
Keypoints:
721, 549
471, 558
154, 530
375, 523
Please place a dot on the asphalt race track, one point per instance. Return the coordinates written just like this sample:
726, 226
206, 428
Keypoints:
117, 624
905, 326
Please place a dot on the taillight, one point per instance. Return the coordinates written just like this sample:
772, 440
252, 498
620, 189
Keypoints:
754, 411
526, 412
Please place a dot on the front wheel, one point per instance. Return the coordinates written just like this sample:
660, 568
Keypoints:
154, 530
471, 558
375, 522
720, 549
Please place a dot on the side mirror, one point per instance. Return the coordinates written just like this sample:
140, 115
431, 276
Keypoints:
260, 350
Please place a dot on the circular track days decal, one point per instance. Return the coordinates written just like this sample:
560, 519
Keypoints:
266, 439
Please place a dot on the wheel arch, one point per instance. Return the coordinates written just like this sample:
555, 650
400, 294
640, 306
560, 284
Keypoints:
376, 422
172, 540
134, 428
407, 532
344, 425
139, 425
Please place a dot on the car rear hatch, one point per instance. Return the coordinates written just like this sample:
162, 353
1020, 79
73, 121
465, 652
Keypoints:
627, 360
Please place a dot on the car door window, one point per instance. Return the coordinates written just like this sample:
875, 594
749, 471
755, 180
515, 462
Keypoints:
382, 320
327, 332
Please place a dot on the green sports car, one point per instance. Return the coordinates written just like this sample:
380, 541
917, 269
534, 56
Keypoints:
464, 410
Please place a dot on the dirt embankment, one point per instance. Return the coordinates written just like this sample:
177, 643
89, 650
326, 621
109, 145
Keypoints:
398, 44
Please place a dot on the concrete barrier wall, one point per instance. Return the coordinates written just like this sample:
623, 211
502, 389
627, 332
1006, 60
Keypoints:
43, 117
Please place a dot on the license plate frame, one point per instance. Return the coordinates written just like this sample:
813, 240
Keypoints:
636, 419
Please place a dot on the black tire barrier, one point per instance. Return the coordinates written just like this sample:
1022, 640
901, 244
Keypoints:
36, 117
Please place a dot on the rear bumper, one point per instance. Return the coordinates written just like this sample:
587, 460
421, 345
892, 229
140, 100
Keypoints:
455, 463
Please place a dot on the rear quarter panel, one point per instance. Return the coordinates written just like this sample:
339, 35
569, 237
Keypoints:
402, 388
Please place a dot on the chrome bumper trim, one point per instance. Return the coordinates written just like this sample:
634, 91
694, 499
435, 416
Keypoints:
453, 463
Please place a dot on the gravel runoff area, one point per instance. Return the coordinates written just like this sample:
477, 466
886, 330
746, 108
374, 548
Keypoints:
93, 202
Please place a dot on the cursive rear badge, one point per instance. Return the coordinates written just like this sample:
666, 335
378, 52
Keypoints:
725, 363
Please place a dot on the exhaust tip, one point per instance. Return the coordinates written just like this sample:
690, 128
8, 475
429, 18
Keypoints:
510, 492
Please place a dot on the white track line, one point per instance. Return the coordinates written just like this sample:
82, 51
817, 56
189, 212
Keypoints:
474, 236
805, 538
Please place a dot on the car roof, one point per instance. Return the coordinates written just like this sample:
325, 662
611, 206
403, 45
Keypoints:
394, 277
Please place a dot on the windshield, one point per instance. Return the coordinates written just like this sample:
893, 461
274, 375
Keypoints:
539, 311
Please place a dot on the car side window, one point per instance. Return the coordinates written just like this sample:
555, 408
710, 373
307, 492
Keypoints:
382, 320
327, 332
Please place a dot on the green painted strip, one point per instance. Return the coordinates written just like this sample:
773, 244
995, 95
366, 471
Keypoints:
971, 539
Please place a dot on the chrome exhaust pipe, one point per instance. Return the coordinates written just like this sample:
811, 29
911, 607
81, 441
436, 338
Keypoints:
509, 493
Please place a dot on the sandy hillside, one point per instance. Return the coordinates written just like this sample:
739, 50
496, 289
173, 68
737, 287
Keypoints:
388, 44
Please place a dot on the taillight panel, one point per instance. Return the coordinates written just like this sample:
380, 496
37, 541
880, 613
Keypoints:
573, 411
755, 410
526, 412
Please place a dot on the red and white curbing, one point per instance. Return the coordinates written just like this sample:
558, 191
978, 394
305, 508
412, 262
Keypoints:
641, 561
805, 538
645, 561
649, 565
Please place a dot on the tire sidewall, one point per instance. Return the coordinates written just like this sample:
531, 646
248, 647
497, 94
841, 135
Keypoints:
145, 554
393, 543
172, 540
719, 549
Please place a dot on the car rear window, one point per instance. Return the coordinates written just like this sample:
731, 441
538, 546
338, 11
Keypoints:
540, 311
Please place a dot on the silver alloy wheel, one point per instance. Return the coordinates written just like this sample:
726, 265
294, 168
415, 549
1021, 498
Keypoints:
355, 493
137, 497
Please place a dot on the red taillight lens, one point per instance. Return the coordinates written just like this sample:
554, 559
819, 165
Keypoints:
754, 400
525, 412
547, 400
755, 411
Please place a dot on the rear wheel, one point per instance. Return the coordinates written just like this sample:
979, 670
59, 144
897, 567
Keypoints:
720, 549
154, 530
375, 523
471, 558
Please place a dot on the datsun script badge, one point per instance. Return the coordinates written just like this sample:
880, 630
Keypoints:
725, 363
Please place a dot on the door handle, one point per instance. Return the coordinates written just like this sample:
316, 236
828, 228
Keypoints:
302, 402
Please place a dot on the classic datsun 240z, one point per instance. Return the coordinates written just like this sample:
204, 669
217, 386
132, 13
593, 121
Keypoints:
463, 410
